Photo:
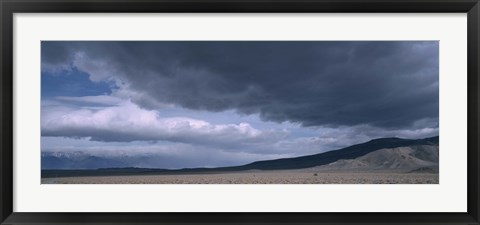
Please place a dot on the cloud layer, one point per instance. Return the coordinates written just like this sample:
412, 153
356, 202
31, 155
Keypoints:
390, 84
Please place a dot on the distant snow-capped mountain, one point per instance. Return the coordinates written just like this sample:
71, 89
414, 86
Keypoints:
384, 153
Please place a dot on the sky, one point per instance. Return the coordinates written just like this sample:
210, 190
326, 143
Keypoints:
178, 104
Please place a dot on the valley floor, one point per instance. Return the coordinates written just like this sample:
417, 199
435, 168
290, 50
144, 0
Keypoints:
261, 177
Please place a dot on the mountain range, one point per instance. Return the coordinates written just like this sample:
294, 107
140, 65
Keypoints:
378, 154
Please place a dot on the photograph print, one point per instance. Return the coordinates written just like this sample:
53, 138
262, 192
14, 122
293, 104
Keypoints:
239, 112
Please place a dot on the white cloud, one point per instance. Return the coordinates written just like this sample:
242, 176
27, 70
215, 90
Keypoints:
127, 122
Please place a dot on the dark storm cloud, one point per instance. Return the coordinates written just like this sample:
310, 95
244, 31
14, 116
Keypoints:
390, 84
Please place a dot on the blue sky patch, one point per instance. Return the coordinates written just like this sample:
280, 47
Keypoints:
72, 83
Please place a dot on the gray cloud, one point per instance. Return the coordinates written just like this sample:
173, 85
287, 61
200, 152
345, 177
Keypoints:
390, 84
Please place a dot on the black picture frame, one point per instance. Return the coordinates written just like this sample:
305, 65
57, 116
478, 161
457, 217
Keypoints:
9, 7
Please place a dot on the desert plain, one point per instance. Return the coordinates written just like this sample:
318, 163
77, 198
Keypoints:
302, 176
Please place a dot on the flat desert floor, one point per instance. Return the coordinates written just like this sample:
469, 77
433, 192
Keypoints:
260, 177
